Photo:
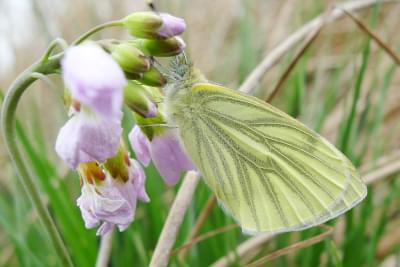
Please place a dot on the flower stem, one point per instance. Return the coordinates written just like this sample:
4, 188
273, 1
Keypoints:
53, 45
8, 121
115, 23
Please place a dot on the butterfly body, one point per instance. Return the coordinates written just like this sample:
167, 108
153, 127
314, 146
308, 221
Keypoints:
269, 171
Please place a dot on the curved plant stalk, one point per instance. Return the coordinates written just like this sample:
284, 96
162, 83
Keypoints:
45, 66
53, 45
83, 37
45, 79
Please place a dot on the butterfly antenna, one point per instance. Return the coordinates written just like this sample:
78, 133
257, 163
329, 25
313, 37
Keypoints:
159, 66
185, 57
151, 5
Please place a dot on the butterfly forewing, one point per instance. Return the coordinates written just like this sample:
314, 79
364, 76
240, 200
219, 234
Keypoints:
269, 171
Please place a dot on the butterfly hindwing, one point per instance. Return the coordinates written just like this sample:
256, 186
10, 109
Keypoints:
269, 171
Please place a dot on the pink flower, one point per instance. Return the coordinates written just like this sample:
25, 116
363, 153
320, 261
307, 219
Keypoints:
87, 137
138, 180
171, 26
109, 201
105, 204
140, 144
166, 152
94, 79
96, 83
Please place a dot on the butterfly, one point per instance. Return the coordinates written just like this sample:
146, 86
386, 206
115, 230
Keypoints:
269, 171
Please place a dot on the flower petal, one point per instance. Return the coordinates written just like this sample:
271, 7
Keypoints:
110, 202
138, 179
140, 144
84, 202
86, 138
94, 79
171, 26
169, 157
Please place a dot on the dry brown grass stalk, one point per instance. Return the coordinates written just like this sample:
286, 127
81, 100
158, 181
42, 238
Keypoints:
205, 237
382, 172
310, 39
247, 246
200, 221
294, 247
374, 36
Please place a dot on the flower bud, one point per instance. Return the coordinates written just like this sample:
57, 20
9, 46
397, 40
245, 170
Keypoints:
163, 48
154, 93
142, 23
153, 77
130, 58
150, 25
117, 165
171, 26
159, 119
137, 98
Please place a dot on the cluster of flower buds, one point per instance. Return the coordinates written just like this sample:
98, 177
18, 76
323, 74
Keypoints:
99, 81
156, 36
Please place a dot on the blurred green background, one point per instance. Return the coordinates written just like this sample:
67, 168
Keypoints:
342, 71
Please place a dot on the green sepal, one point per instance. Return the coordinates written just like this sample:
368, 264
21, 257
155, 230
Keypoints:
163, 48
137, 98
151, 130
143, 24
153, 77
130, 58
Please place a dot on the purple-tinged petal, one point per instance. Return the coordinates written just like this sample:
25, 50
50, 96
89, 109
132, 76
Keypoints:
128, 192
84, 202
169, 157
140, 144
171, 26
111, 202
138, 179
152, 110
94, 79
112, 206
86, 137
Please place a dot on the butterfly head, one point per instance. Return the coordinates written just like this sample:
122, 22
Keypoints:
181, 75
